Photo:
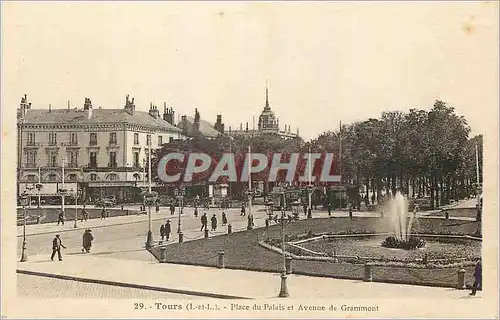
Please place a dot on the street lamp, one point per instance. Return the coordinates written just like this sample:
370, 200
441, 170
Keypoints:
24, 202
150, 198
180, 193
77, 193
39, 187
283, 220
63, 189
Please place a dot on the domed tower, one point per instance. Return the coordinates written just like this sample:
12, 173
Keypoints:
267, 119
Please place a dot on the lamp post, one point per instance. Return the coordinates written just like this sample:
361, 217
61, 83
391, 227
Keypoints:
150, 198
24, 202
39, 186
283, 220
64, 190
310, 183
250, 193
180, 193
77, 194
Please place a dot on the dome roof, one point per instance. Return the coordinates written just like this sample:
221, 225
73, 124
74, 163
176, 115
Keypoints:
267, 118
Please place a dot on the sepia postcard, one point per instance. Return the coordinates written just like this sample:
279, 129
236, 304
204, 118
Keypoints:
265, 160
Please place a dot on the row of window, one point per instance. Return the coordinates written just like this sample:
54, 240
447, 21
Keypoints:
73, 177
73, 139
72, 159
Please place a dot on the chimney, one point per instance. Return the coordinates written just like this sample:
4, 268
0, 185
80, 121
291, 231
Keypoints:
68, 106
183, 124
50, 107
196, 119
153, 111
219, 126
87, 106
168, 114
247, 126
129, 105
23, 106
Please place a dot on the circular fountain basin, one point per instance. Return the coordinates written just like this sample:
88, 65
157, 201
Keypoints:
369, 246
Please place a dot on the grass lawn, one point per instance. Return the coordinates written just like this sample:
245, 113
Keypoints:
458, 212
369, 246
243, 252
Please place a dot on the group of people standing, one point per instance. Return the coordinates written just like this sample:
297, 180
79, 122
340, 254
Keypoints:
165, 231
213, 220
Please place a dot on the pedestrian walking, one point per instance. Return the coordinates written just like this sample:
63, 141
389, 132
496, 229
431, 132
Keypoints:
329, 209
478, 278
172, 207
162, 232
195, 211
167, 230
305, 209
214, 222
157, 207
87, 241
85, 215
224, 218
204, 221
243, 211
103, 213
350, 212
60, 217
56, 247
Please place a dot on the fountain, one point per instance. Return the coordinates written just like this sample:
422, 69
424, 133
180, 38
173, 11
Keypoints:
401, 222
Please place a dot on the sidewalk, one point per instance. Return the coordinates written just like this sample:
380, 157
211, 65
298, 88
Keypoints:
217, 283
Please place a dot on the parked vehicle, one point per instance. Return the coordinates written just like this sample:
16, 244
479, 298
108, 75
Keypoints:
107, 201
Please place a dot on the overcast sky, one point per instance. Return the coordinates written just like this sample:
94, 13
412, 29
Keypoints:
324, 62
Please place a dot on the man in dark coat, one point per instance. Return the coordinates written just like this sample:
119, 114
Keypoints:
56, 247
87, 240
329, 209
214, 222
167, 230
61, 217
172, 208
243, 212
305, 209
224, 218
204, 221
195, 211
162, 232
478, 278
85, 215
103, 213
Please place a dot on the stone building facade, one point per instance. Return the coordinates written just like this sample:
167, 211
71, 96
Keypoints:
103, 151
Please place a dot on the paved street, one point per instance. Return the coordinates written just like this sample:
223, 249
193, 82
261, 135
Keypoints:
29, 286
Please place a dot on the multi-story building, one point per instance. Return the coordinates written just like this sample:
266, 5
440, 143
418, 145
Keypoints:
101, 151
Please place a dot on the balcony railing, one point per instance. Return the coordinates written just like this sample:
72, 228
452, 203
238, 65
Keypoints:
52, 143
112, 165
113, 142
30, 165
33, 144
93, 142
70, 143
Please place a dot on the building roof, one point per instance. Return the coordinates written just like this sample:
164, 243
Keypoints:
99, 116
206, 128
